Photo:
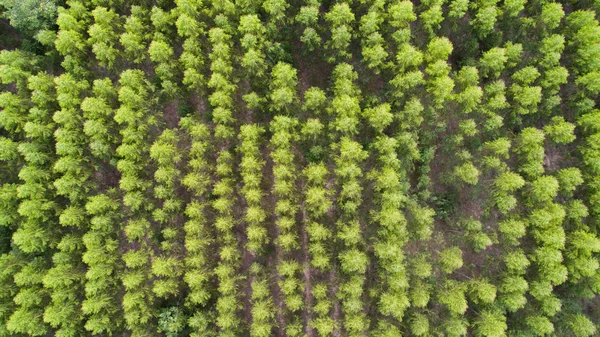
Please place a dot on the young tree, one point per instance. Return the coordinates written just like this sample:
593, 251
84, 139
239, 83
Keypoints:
197, 235
373, 47
432, 17
318, 202
284, 133
339, 17
439, 84
392, 233
470, 94
136, 118
227, 303
220, 82
492, 62
98, 111
324, 324
450, 259
345, 105
263, 314
135, 38
27, 317
491, 323
352, 258
101, 255
167, 266
485, 18
103, 36
73, 183
251, 166
401, 14
530, 150
38, 230
253, 43
308, 17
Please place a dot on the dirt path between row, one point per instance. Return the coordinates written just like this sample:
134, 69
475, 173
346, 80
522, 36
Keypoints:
307, 276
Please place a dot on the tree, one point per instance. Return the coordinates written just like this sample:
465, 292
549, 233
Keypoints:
482, 291
492, 62
531, 151
135, 37
171, 321
539, 324
467, 173
569, 179
103, 36
450, 259
380, 116
458, 8
27, 317
314, 100
340, 17
512, 8
419, 325
453, 297
551, 15
512, 229
491, 323
581, 247
484, 20
560, 131
439, 49
581, 325
283, 87
543, 189
432, 17
30, 16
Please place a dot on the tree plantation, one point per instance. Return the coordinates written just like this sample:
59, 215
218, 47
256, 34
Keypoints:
299, 168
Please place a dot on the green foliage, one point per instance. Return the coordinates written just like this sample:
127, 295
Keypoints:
560, 131
453, 297
539, 325
340, 17
581, 325
30, 16
451, 259
543, 189
467, 173
419, 325
531, 151
248, 168
492, 62
171, 321
491, 323
283, 86
483, 292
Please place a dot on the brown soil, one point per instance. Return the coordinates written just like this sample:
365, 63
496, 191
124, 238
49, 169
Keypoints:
307, 276
337, 310
311, 69
170, 114
199, 105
